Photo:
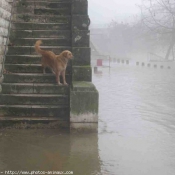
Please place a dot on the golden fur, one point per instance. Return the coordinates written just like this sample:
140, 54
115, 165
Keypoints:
57, 63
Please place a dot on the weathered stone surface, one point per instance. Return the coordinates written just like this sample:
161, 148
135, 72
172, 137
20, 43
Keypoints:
82, 73
40, 26
29, 50
56, 49
50, 89
84, 102
61, 112
29, 68
62, 34
20, 34
23, 59
40, 18
33, 99
17, 50
23, 9
80, 22
5, 14
80, 38
34, 123
80, 7
34, 88
52, 11
2, 49
48, 42
53, 4
32, 78
81, 56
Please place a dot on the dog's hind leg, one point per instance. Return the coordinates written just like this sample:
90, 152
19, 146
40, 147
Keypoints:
52, 71
44, 71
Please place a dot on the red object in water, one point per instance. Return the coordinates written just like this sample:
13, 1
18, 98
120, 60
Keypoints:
99, 62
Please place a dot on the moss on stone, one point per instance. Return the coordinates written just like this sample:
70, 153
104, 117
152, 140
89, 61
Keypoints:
84, 98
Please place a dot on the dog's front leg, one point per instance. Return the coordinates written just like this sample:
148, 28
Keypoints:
58, 78
64, 77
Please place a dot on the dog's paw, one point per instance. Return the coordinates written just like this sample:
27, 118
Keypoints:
65, 84
60, 84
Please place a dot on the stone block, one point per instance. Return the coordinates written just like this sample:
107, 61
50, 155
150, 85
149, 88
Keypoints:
52, 11
81, 56
82, 73
80, 38
33, 99
84, 103
40, 18
80, 22
80, 7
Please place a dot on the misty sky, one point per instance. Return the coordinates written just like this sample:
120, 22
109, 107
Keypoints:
103, 11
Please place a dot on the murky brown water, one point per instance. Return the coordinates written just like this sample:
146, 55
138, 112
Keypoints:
136, 134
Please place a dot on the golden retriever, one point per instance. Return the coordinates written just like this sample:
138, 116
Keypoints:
57, 63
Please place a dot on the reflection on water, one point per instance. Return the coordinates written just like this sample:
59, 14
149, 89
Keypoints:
136, 134
49, 150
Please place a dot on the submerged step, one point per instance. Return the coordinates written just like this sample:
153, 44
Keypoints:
59, 111
33, 99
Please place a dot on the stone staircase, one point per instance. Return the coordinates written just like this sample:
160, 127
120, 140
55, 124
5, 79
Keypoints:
27, 93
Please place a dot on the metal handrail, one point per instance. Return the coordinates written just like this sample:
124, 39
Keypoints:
6, 45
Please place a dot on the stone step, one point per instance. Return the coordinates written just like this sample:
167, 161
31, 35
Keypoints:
61, 34
33, 78
46, 41
34, 88
51, 0
41, 1
34, 123
52, 11
29, 68
24, 59
29, 50
33, 99
40, 26
52, 4
41, 18
59, 111
39, 10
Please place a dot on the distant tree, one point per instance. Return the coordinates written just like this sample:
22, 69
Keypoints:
159, 17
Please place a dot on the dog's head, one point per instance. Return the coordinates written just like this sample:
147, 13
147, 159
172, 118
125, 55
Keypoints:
67, 54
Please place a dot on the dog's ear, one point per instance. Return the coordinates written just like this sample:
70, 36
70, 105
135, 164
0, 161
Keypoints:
64, 53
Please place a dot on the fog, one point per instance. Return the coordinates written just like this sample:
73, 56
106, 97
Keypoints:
132, 29
103, 11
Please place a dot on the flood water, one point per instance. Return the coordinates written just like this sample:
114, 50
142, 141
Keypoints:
136, 132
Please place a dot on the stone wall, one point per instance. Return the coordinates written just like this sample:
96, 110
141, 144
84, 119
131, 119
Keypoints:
5, 13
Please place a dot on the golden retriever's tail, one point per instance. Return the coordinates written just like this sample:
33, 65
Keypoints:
37, 47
